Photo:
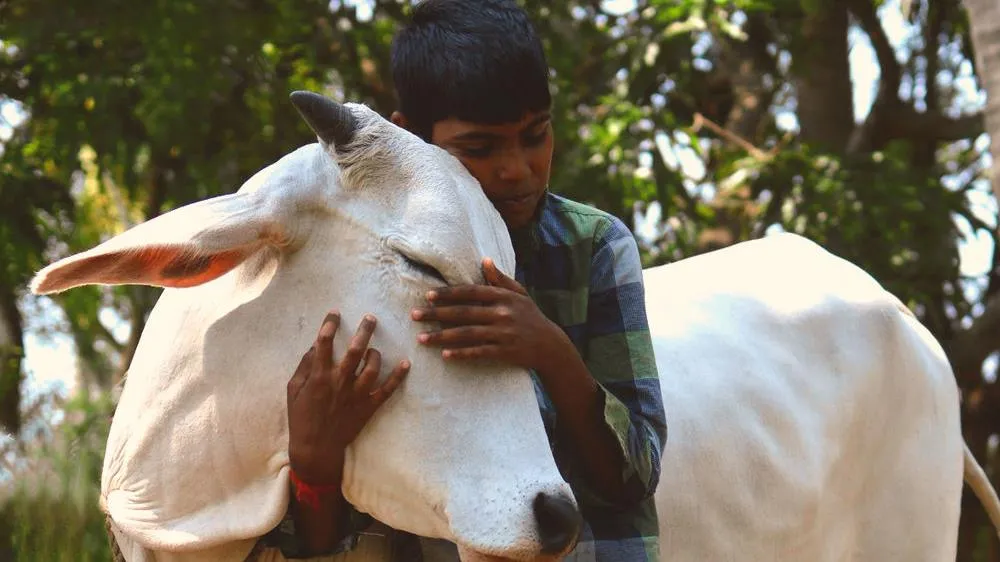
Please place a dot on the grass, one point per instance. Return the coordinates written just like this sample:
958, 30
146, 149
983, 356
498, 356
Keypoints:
50, 488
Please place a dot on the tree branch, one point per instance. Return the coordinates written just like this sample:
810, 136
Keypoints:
106, 334
933, 125
892, 72
748, 64
867, 137
758, 154
971, 346
894, 120
924, 153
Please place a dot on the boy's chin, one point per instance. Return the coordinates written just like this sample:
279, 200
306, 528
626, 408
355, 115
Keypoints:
518, 216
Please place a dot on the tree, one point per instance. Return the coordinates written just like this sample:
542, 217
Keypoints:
718, 121
984, 21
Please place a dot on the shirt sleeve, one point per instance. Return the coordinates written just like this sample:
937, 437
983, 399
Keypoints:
619, 355
285, 538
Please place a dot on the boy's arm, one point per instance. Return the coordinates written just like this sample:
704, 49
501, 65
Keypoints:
327, 408
291, 536
619, 356
607, 395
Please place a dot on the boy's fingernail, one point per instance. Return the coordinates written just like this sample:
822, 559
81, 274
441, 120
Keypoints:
327, 329
431, 295
417, 314
422, 338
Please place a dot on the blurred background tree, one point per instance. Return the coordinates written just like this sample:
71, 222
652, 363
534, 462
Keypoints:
858, 123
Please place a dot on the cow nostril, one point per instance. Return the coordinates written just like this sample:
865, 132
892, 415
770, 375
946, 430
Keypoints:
558, 523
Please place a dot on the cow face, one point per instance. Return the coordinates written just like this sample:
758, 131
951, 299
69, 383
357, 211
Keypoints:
365, 221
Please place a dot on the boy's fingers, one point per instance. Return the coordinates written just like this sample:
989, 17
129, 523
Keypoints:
458, 293
373, 364
462, 336
301, 375
383, 392
490, 351
455, 314
490, 272
496, 277
324, 341
356, 350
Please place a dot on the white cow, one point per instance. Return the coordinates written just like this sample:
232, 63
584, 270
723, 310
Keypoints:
365, 221
811, 417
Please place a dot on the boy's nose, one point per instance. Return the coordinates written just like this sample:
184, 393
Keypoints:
513, 167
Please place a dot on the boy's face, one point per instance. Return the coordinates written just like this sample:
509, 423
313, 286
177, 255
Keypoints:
510, 161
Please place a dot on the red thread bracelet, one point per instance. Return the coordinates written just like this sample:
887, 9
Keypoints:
308, 494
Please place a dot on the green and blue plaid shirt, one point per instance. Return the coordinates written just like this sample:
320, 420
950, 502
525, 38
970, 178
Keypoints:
581, 267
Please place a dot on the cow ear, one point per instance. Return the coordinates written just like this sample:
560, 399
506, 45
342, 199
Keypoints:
186, 247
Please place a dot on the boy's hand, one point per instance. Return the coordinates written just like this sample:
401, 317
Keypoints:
329, 402
495, 321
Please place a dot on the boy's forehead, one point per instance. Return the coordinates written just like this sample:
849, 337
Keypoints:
458, 129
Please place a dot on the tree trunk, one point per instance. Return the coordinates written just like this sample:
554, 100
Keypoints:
823, 78
984, 22
11, 354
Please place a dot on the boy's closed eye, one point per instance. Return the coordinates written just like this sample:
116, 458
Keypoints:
535, 138
486, 148
476, 150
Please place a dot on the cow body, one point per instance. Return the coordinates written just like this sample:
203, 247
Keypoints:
811, 417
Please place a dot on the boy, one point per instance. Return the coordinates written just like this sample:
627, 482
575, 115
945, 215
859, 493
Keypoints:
472, 78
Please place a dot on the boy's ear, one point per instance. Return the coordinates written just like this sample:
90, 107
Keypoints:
399, 120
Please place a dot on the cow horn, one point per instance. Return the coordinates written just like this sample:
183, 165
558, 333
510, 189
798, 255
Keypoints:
333, 123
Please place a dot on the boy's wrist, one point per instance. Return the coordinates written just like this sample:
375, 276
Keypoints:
320, 470
557, 356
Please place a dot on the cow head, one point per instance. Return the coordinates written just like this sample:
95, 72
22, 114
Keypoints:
366, 220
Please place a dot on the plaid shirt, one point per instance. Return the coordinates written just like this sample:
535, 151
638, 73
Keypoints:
581, 267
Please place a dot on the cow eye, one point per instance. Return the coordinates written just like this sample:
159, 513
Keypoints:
424, 268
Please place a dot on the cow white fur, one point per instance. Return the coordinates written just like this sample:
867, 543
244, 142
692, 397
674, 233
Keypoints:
811, 416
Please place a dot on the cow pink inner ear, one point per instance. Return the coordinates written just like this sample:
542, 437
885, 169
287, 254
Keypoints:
190, 270
161, 266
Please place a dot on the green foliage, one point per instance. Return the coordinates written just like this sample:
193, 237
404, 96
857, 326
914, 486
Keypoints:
49, 500
137, 108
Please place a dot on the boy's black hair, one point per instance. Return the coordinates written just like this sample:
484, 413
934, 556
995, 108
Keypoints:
474, 60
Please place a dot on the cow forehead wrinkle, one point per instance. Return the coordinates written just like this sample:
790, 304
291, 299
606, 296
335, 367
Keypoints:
378, 151
383, 155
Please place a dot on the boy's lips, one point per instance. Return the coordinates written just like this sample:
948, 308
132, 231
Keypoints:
517, 209
517, 200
